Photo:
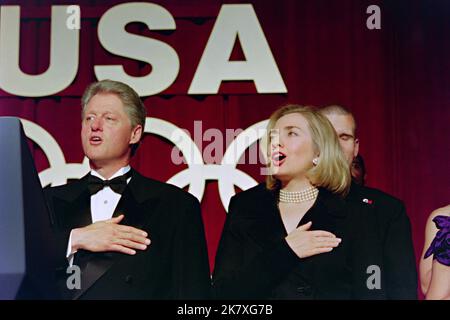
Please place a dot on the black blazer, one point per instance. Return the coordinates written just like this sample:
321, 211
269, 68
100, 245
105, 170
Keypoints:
385, 228
174, 266
255, 262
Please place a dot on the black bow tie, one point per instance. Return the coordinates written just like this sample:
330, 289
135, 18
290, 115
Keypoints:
118, 184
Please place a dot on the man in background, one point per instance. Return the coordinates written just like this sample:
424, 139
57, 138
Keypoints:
358, 170
384, 225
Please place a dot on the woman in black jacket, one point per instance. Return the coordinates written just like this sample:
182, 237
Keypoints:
291, 237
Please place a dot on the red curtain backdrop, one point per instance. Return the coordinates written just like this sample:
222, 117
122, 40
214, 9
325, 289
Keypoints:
396, 80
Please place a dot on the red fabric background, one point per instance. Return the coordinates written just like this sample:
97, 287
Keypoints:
395, 80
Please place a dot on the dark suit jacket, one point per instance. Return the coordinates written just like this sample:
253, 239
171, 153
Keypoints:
174, 266
386, 230
255, 262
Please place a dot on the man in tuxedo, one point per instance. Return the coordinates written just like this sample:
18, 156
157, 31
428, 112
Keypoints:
132, 237
383, 226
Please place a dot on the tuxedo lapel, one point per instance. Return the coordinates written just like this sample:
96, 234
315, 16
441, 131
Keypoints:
137, 206
130, 208
73, 206
79, 212
70, 210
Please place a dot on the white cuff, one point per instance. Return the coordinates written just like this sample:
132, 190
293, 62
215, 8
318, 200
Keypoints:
69, 253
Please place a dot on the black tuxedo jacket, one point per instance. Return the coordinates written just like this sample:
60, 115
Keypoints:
385, 228
255, 262
175, 264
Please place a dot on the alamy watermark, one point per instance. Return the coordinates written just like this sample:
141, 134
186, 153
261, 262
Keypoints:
221, 147
74, 279
374, 20
74, 17
374, 280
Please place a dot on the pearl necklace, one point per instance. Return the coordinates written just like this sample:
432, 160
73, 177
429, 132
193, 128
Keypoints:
298, 196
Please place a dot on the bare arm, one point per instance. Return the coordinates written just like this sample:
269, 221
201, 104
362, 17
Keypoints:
426, 265
439, 288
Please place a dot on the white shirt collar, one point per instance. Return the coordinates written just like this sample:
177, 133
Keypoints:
119, 172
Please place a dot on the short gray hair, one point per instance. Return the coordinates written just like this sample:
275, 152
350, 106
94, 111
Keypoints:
133, 105
340, 111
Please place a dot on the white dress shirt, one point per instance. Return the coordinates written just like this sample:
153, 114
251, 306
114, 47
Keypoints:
103, 204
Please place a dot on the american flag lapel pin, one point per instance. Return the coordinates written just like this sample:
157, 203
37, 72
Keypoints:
365, 200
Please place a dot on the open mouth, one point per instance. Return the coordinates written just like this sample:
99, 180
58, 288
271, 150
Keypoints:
95, 140
278, 158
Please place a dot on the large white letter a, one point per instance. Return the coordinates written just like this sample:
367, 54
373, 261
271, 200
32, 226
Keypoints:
260, 66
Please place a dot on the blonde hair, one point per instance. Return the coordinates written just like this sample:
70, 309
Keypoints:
331, 172
133, 105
